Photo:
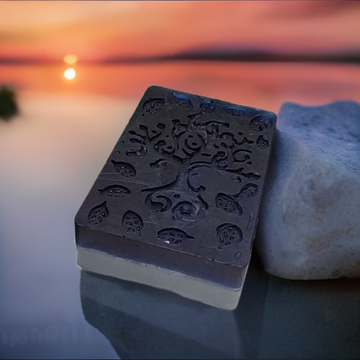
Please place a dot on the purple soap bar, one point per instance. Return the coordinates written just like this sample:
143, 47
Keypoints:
176, 203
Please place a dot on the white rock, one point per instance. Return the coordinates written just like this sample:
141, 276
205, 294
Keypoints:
309, 226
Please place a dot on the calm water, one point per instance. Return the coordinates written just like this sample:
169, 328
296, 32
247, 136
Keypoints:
50, 156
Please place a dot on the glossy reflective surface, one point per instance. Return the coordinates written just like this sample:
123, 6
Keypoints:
275, 319
40, 311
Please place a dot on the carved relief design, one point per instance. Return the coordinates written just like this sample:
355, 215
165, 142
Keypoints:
136, 152
262, 122
158, 163
173, 236
229, 235
199, 153
185, 211
234, 110
183, 206
98, 214
248, 191
152, 106
228, 204
208, 106
133, 223
262, 143
158, 202
115, 191
183, 140
182, 100
124, 169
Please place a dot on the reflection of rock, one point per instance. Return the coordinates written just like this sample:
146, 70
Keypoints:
144, 322
309, 226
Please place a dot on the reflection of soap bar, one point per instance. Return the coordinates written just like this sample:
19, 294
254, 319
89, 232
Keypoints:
159, 324
176, 204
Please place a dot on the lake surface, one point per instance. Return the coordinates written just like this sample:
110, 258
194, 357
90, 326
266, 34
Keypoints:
50, 155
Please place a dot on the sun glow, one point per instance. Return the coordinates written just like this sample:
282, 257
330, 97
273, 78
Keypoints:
70, 74
70, 59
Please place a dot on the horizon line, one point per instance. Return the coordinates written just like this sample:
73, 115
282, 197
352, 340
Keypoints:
231, 56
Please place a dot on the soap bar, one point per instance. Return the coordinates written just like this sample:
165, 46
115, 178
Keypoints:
176, 203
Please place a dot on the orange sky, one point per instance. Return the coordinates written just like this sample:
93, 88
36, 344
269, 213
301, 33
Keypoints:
98, 30
95, 30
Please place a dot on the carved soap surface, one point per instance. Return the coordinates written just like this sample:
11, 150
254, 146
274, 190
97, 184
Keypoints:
186, 175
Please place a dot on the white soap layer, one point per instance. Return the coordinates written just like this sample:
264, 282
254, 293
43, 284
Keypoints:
190, 287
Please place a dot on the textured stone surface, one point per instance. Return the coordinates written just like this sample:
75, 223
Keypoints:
309, 227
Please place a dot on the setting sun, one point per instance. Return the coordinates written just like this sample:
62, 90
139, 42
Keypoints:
70, 59
70, 74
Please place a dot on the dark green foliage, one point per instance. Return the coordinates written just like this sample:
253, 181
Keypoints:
8, 106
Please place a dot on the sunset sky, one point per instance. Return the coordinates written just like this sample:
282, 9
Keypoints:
117, 29
35, 37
